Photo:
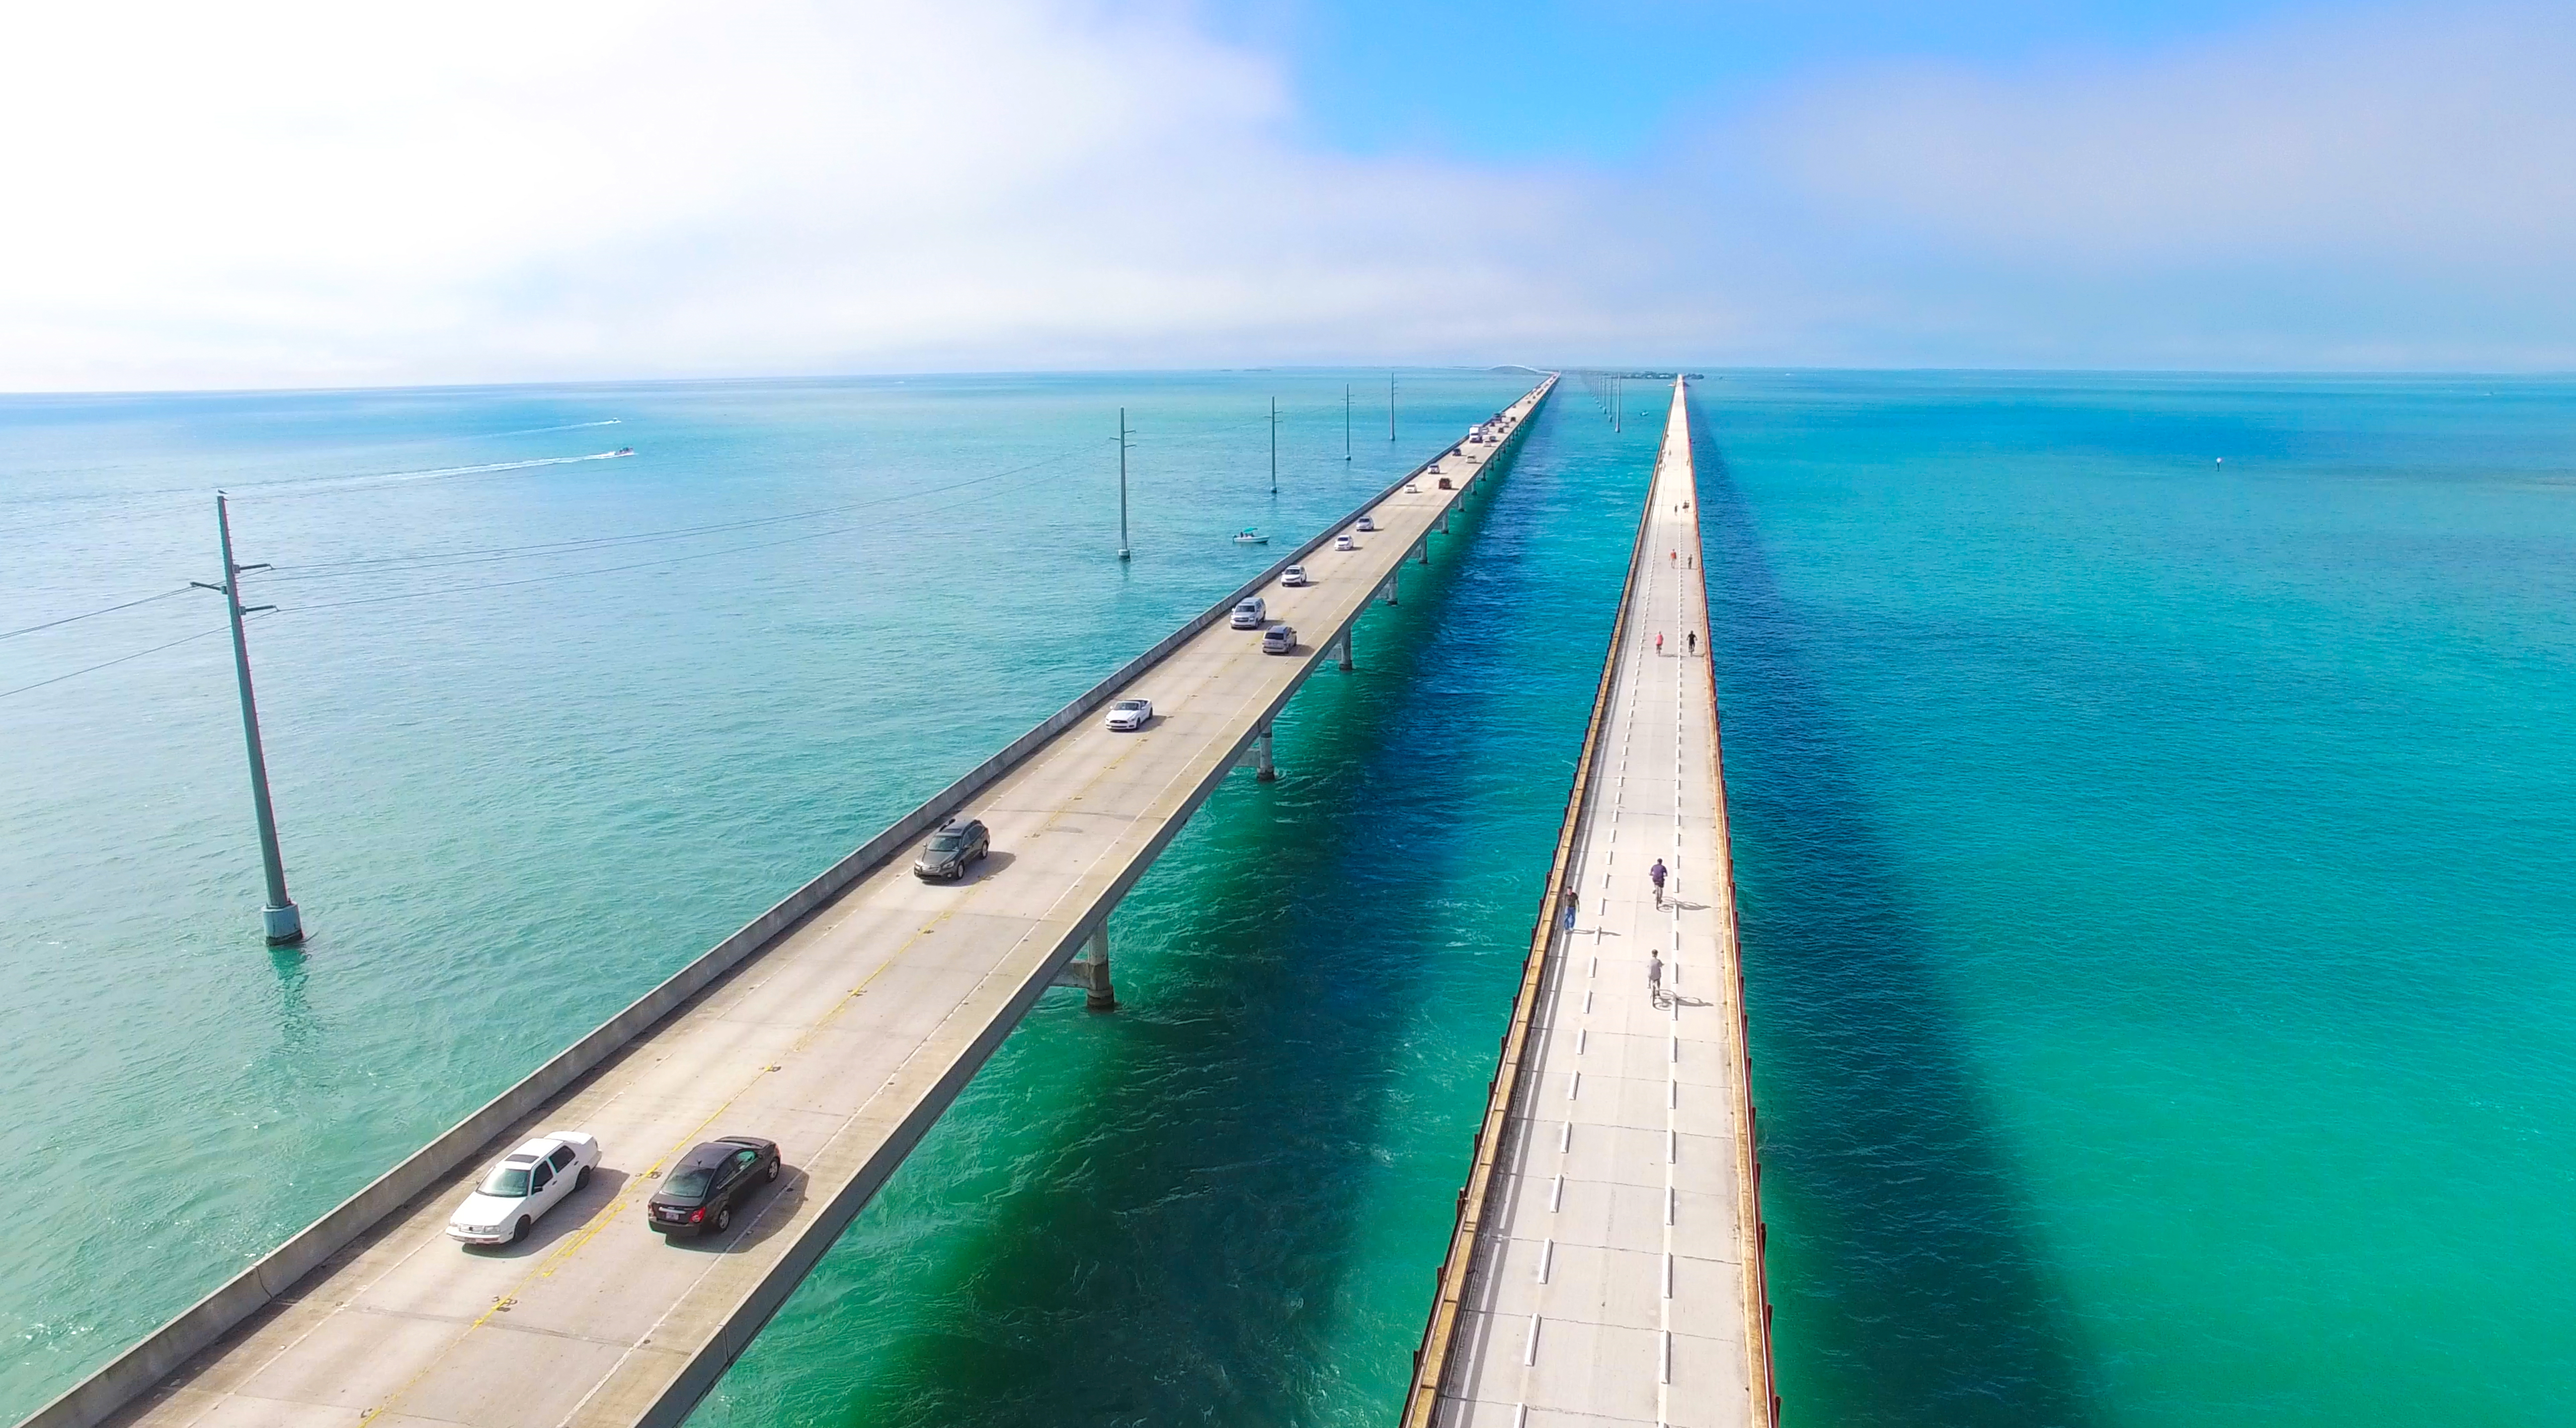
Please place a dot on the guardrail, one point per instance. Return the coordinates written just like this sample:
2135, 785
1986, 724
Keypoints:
1431, 1361
1764, 1382
122, 1379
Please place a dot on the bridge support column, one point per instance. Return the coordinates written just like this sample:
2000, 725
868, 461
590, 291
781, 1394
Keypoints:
1421, 553
1443, 527
1089, 970
1346, 651
1386, 592
1264, 769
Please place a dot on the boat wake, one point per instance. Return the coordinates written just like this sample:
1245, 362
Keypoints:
438, 473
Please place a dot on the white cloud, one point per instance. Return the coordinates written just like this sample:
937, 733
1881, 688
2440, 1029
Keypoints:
336, 194
2366, 188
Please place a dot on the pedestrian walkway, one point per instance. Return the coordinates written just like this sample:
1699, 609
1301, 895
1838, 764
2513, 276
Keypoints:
1614, 1260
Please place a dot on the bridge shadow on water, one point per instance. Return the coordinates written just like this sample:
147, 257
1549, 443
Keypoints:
1908, 1284
1184, 1236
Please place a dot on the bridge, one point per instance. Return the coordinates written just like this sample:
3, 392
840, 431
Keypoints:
1607, 1263
841, 1024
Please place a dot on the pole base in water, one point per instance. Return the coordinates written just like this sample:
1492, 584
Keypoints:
285, 925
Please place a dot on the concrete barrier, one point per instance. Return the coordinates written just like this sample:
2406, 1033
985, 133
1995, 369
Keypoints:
133, 1373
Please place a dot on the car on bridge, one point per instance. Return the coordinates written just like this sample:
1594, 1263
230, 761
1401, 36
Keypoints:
699, 1195
1344, 542
1129, 715
1293, 575
529, 1181
1250, 613
1368, 523
958, 843
1279, 639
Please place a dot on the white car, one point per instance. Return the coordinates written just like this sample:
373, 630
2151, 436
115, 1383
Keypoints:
1368, 523
529, 1181
1344, 542
1251, 613
1128, 715
1293, 575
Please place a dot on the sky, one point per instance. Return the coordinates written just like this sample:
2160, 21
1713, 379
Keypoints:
284, 194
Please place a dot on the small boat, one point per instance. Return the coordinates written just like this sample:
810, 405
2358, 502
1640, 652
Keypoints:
623, 451
1249, 536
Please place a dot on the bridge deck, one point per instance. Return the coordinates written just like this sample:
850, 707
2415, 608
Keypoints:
1614, 1275
843, 1040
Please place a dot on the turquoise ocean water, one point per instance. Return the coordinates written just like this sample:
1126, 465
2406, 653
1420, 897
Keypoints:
2156, 911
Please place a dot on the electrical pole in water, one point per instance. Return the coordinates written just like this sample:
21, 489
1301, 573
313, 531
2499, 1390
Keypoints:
1274, 446
1390, 406
283, 923
1346, 421
1614, 404
1122, 483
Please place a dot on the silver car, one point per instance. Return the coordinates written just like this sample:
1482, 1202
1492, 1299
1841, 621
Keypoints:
1293, 575
1368, 523
1279, 639
1250, 613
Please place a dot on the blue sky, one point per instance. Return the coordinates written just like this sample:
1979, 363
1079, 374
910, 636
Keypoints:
1599, 82
313, 194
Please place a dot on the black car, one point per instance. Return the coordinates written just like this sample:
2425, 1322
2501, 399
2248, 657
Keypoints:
700, 1193
956, 845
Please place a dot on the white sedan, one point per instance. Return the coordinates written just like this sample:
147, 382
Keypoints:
529, 1181
1128, 715
1293, 575
1344, 542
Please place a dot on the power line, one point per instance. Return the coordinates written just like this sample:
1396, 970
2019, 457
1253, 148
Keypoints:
120, 659
383, 565
110, 610
662, 560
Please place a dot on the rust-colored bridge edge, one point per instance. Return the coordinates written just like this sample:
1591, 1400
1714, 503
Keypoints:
1439, 1336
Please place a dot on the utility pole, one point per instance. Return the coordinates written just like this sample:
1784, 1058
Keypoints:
1122, 483
1390, 406
1614, 404
1274, 446
1346, 421
283, 923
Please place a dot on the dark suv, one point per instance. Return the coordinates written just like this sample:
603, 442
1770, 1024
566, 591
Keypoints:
698, 1196
957, 844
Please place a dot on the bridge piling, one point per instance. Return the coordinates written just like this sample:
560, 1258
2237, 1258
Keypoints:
843, 1021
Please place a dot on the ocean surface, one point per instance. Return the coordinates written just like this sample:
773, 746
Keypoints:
2151, 802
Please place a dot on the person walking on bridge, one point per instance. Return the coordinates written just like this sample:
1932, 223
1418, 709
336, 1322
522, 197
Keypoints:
1659, 642
1657, 874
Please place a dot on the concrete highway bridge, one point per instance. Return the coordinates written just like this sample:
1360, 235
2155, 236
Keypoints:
1607, 1264
842, 1023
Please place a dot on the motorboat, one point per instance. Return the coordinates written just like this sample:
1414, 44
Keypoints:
623, 451
1249, 536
